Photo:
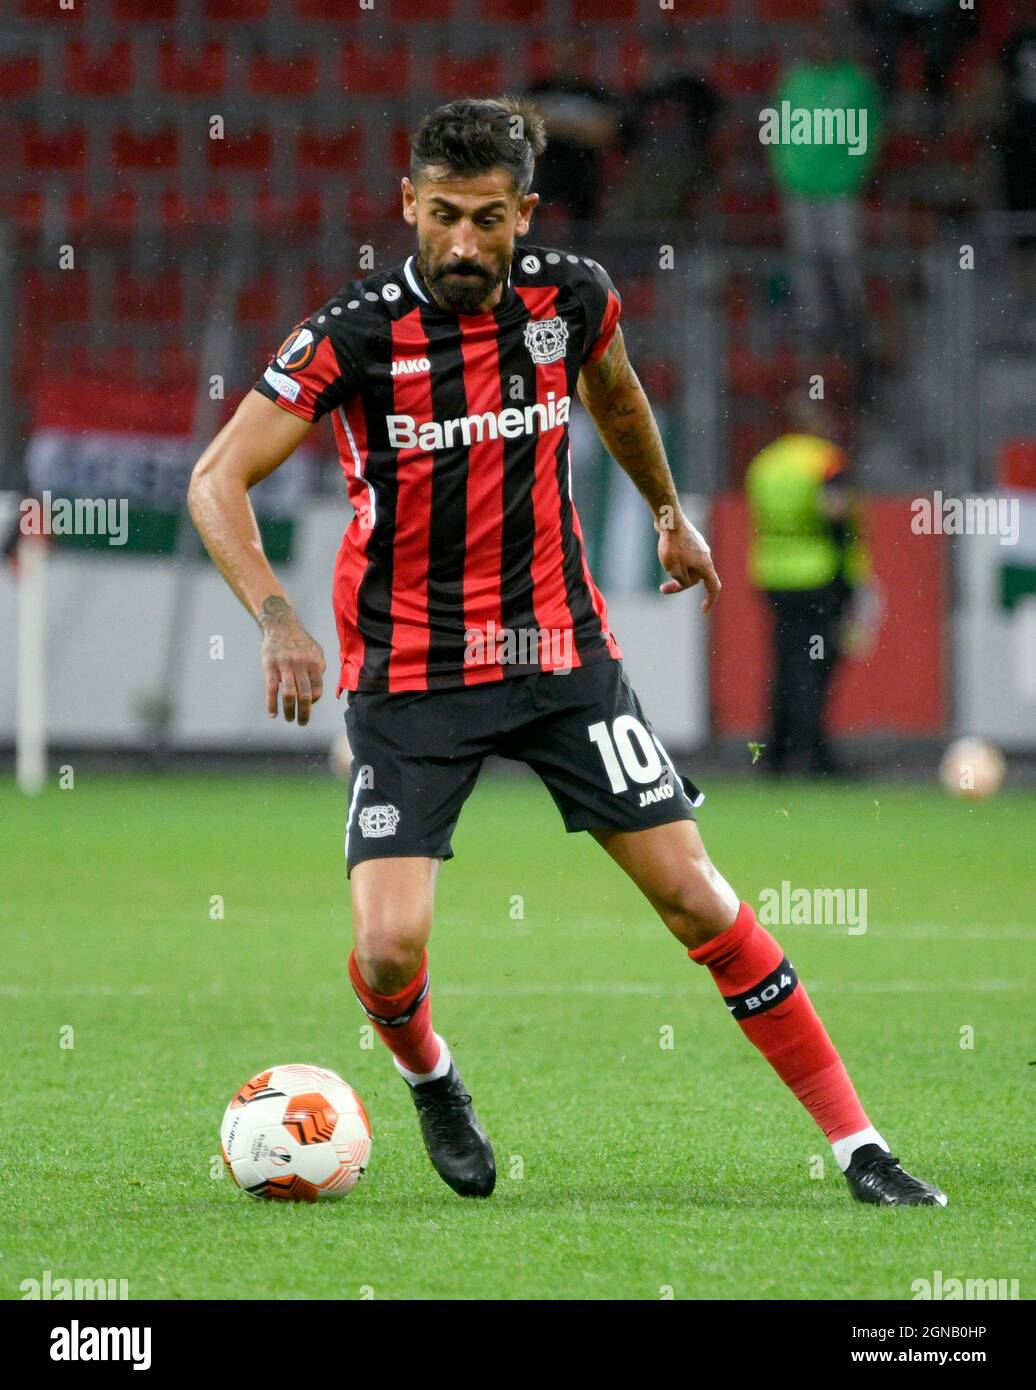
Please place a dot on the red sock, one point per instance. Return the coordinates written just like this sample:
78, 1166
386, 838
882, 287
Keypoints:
764, 994
402, 1021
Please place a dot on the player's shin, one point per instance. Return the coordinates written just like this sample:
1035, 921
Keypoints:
403, 1021
763, 992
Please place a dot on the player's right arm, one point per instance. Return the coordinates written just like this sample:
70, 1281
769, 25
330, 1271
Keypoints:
256, 440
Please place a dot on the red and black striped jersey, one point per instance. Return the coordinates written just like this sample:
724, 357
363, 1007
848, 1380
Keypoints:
464, 561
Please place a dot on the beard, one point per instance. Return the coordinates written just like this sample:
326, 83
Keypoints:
462, 285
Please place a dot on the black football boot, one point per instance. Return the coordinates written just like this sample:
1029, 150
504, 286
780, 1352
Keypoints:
875, 1176
457, 1144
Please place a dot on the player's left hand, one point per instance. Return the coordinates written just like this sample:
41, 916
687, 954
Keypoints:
683, 553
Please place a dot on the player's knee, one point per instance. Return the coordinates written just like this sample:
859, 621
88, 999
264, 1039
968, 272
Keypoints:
389, 958
700, 905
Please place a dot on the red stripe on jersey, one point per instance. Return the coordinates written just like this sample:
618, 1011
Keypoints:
607, 333
549, 596
596, 597
350, 429
412, 395
483, 544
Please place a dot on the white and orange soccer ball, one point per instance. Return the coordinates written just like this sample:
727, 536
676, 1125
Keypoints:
297, 1134
972, 768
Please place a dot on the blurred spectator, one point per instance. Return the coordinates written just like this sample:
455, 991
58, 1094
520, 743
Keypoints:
939, 27
582, 122
821, 185
807, 558
666, 129
1017, 134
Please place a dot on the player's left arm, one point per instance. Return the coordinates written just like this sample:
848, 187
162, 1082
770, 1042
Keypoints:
619, 407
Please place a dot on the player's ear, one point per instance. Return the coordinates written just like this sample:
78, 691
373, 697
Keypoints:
409, 201
525, 208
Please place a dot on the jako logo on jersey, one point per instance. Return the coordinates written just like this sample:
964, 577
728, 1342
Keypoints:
296, 350
405, 433
406, 365
546, 339
378, 821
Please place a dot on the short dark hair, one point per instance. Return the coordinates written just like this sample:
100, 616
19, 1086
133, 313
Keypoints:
473, 135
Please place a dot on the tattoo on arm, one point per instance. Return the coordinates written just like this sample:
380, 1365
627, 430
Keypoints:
620, 409
275, 611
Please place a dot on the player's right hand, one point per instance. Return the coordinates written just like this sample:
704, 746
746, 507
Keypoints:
292, 661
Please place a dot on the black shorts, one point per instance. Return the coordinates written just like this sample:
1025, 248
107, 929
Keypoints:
417, 755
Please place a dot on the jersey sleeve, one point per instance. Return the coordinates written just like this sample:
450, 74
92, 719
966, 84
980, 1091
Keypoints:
309, 374
602, 307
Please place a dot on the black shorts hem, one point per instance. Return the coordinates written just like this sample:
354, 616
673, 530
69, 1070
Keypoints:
398, 852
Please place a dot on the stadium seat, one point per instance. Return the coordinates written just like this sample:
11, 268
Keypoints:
518, 11
112, 213
303, 209
55, 296
1016, 465
331, 11
457, 77
241, 151
60, 150
159, 149
236, 9
144, 11
258, 302
337, 150
201, 72
805, 11
94, 72
375, 71
179, 212
153, 298
271, 76
594, 12
46, 9
411, 11
19, 77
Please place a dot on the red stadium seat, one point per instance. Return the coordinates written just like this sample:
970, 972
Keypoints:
180, 213
375, 71
302, 210
409, 11
101, 73
19, 77
62, 150
338, 150
241, 151
399, 150
198, 73
46, 9
176, 364
55, 296
594, 12
236, 9
458, 77
151, 298
808, 10
25, 210
270, 76
519, 11
147, 151
258, 302
116, 212
144, 11
330, 10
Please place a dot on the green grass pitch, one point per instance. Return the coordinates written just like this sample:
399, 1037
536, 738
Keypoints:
627, 1169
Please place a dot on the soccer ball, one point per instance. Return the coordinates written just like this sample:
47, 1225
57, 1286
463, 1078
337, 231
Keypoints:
296, 1134
972, 768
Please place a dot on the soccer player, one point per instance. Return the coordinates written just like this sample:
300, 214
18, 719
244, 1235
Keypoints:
469, 623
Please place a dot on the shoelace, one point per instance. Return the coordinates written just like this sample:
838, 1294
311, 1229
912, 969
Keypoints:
888, 1167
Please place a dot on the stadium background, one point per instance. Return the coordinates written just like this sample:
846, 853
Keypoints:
191, 257
170, 924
